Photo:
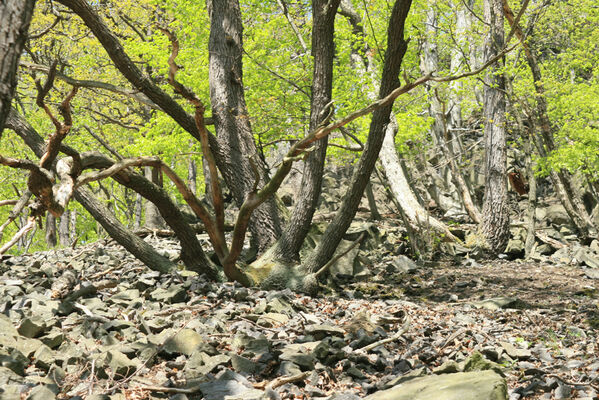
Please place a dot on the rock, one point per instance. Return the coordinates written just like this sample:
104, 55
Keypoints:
305, 354
120, 364
320, 331
557, 214
591, 273
126, 297
480, 385
186, 341
173, 294
272, 319
200, 364
242, 364
53, 338
32, 327
515, 248
404, 264
14, 360
44, 357
6, 326
496, 303
514, 352
587, 257
9, 377
230, 385
41, 393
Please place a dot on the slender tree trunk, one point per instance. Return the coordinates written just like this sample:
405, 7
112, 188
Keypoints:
231, 120
64, 228
51, 230
437, 110
15, 16
192, 176
417, 215
396, 49
138, 211
323, 29
153, 218
561, 179
495, 226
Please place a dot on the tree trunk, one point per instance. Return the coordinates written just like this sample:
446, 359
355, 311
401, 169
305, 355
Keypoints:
50, 230
15, 16
396, 49
64, 228
132, 243
236, 148
323, 28
192, 175
153, 218
418, 217
561, 179
495, 226
444, 139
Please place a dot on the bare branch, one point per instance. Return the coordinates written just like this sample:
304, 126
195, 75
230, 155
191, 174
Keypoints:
23, 231
300, 39
17, 209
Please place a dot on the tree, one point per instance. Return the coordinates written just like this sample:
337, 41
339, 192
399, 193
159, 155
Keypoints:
166, 105
495, 224
15, 16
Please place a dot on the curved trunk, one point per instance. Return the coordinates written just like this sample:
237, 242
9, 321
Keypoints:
131, 242
15, 16
397, 47
240, 162
417, 215
295, 232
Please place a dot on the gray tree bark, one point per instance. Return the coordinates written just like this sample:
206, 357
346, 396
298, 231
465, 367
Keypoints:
153, 218
15, 16
396, 49
236, 146
495, 225
323, 28
64, 228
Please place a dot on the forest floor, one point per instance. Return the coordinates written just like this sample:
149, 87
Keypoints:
75, 323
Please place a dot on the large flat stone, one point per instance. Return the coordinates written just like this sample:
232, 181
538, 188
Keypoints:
480, 385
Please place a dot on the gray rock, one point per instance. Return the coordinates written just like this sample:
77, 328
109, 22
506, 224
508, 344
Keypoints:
496, 303
587, 257
242, 364
173, 294
125, 297
6, 326
232, 390
404, 264
41, 393
53, 338
320, 331
186, 341
120, 364
32, 327
557, 214
272, 319
9, 377
13, 360
515, 352
482, 385
44, 357
200, 364
515, 248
